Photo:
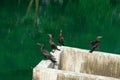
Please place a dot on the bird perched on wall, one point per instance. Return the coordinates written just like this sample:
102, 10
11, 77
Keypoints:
61, 39
47, 54
95, 44
52, 44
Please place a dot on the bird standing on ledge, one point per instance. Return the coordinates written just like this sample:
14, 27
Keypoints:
95, 44
61, 39
46, 54
52, 44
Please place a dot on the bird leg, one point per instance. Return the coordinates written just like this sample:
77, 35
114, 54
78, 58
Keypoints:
54, 64
45, 57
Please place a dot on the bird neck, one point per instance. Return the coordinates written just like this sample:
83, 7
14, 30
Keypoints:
60, 34
51, 41
42, 48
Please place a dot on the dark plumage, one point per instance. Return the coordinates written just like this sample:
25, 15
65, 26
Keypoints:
46, 54
61, 39
95, 44
52, 44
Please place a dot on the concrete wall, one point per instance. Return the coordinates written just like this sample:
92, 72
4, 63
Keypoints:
98, 63
79, 64
52, 74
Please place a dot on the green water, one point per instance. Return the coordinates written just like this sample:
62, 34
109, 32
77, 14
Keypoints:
81, 22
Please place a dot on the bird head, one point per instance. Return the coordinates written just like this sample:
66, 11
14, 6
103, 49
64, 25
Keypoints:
50, 35
98, 37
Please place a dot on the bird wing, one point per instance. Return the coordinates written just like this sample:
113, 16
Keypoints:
49, 56
54, 46
92, 43
62, 39
46, 53
97, 44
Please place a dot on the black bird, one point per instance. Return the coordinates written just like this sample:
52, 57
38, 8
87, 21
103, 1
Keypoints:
47, 54
95, 44
52, 44
61, 39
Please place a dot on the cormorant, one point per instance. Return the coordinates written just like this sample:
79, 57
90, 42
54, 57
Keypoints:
95, 44
61, 39
46, 54
52, 44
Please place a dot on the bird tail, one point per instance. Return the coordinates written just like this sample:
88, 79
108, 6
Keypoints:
62, 44
92, 50
58, 49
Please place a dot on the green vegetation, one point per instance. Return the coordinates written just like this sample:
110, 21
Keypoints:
80, 20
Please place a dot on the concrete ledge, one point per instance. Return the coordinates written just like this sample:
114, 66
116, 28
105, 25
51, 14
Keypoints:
79, 64
97, 63
52, 74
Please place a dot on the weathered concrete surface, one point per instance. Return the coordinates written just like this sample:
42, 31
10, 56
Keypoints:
79, 64
52, 74
98, 63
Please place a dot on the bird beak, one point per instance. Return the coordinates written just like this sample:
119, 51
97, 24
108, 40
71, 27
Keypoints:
100, 37
48, 34
38, 44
